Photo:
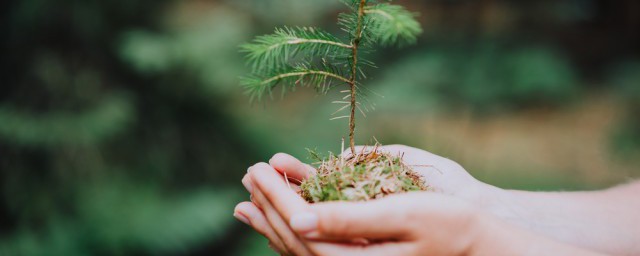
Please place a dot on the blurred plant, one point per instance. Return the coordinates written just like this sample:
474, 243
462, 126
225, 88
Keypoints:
206, 48
311, 57
112, 138
625, 77
121, 217
63, 128
288, 11
485, 78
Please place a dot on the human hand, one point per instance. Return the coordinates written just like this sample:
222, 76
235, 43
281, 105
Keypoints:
442, 175
274, 205
263, 215
416, 223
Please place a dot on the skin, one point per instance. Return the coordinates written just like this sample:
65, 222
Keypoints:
463, 217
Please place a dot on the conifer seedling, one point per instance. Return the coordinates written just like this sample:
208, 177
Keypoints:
308, 56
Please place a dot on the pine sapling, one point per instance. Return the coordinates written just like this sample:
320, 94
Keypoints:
307, 56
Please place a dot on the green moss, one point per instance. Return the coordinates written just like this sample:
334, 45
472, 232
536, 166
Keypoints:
365, 176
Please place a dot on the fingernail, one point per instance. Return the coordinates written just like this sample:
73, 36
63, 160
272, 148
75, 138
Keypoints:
305, 223
242, 218
312, 235
247, 184
249, 169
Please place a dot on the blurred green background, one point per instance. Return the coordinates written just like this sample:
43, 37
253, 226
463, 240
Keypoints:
123, 130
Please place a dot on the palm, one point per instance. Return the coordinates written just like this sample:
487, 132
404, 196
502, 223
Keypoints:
442, 175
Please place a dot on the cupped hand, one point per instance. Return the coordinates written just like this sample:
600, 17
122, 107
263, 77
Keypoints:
414, 223
265, 211
441, 175
398, 225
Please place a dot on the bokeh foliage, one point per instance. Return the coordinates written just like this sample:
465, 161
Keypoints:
625, 77
123, 130
100, 154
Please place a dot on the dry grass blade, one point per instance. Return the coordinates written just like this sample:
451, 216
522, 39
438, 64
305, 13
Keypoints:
370, 174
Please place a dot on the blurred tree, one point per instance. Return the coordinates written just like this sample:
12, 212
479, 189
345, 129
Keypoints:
626, 79
104, 150
484, 77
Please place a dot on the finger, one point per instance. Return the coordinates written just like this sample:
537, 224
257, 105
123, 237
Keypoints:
382, 249
291, 167
290, 240
272, 185
248, 185
246, 182
250, 214
378, 219
283, 231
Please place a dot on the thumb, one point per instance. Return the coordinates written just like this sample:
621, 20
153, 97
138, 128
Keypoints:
378, 219
291, 167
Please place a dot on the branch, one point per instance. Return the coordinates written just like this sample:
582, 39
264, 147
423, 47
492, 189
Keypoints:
393, 24
274, 51
304, 73
296, 41
320, 78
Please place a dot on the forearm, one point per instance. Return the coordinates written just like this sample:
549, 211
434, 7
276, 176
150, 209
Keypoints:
605, 221
497, 238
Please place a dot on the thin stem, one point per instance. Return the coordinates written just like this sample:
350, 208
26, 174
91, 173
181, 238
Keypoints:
354, 74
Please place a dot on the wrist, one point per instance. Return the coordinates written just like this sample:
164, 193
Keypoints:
482, 234
500, 203
491, 236
485, 197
